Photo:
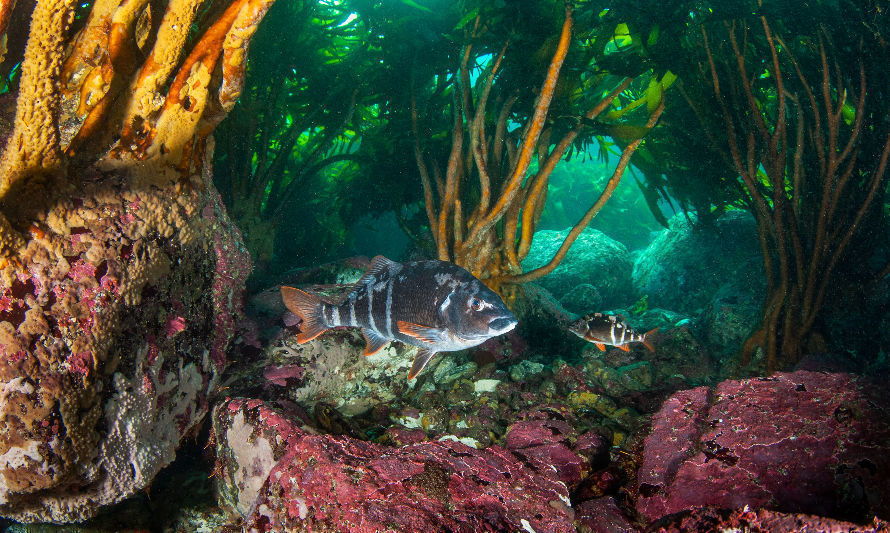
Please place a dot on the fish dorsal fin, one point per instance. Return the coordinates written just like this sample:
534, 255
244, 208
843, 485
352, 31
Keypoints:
422, 333
423, 357
375, 341
378, 265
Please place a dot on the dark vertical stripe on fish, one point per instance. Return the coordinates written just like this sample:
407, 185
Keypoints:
327, 312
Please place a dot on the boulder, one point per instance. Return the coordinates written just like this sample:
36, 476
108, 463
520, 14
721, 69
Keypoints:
595, 273
114, 323
683, 268
281, 477
803, 442
760, 520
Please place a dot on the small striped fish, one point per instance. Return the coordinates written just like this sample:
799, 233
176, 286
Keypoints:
433, 304
603, 329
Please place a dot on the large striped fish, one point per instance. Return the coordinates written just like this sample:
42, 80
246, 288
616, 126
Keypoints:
433, 304
603, 329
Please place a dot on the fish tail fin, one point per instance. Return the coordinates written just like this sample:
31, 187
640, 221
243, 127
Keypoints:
309, 308
647, 343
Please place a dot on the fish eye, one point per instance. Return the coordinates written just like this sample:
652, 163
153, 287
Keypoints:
476, 304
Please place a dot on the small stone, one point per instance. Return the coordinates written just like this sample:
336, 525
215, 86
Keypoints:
524, 369
485, 385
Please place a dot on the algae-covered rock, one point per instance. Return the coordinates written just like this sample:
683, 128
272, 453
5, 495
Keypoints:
112, 338
802, 442
280, 477
685, 266
594, 259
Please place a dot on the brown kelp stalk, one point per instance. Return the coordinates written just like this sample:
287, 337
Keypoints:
798, 160
491, 239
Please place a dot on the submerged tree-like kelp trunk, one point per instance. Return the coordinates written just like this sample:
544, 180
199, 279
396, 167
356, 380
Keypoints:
806, 131
484, 207
120, 274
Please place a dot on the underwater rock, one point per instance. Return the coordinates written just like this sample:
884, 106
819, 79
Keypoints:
602, 515
582, 298
524, 370
594, 259
760, 520
544, 444
727, 321
679, 360
685, 266
337, 372
446, 370
802, 442
113, 333
281, 478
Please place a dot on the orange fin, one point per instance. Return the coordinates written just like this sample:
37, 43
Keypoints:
308, 307
374, 340
601, 346
623, 347
646, 343
420, 360
421, 333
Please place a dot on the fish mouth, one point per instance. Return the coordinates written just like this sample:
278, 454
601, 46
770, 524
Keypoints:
502, 324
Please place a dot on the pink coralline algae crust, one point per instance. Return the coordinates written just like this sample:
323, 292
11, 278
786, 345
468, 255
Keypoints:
802, 442
543, 444
233, 266
400, 436
114, 319
175, 324
759, 521
278, 375
327, 483
603, 515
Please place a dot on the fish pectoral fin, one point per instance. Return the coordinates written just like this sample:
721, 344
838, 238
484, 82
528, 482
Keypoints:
423, 357
308, 308
623, 347
375, 341
422, 333
601, 346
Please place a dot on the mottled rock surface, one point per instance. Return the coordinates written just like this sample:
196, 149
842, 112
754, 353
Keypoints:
595, 260
802, 442
759, 521
683, 268
113, 333
280, 477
